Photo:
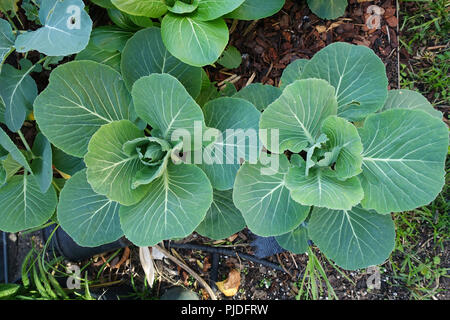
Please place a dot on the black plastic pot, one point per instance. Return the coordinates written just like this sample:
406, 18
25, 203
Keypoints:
3, 258
62, 244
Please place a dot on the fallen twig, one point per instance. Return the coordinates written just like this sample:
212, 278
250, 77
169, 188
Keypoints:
125, 256
189, 270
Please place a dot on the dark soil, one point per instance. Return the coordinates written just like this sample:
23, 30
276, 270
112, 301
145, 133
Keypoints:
269, 45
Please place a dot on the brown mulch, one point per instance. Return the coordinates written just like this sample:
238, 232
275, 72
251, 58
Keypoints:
269, 45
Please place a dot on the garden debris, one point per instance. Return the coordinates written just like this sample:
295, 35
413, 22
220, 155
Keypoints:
232, 238
190, 271
206, 265
125, 256
147, 265
392, 21
282, 265
147, 256
230, 286
205, 295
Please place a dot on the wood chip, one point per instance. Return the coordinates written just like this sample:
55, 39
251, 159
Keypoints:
321, 29
392, 21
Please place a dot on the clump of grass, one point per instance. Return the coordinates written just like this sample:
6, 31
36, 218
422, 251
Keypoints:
424, 22
424, 31
311, 284
42, 280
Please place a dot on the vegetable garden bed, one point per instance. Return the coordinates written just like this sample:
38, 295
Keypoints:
273, 51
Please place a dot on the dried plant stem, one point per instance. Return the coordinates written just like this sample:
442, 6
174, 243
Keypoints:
189, 270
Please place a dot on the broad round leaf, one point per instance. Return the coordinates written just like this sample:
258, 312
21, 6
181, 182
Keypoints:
212, 9
293, 72
180, 7
6, 39
147, 8
223, 219
298, 114
295, 241
403, 159
221, 159
81, 97
322, 189
110, 171
328, 9
66, 29
261, 195
163, 102
261, 95
89, 218
94, 53
194, 42
358, 75
355, 238
141, 22
407, 99
24, 206
128, 22
145, 54
17, 91
256, 9
176, 204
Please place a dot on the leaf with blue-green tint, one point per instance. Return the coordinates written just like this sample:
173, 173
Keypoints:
66, 29
145, 54
89, 218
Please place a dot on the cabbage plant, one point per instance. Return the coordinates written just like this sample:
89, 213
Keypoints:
194, 31
120, 125
107, 128
128, 176
350, 153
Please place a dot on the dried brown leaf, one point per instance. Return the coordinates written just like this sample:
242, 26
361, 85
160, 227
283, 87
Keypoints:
230, 286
